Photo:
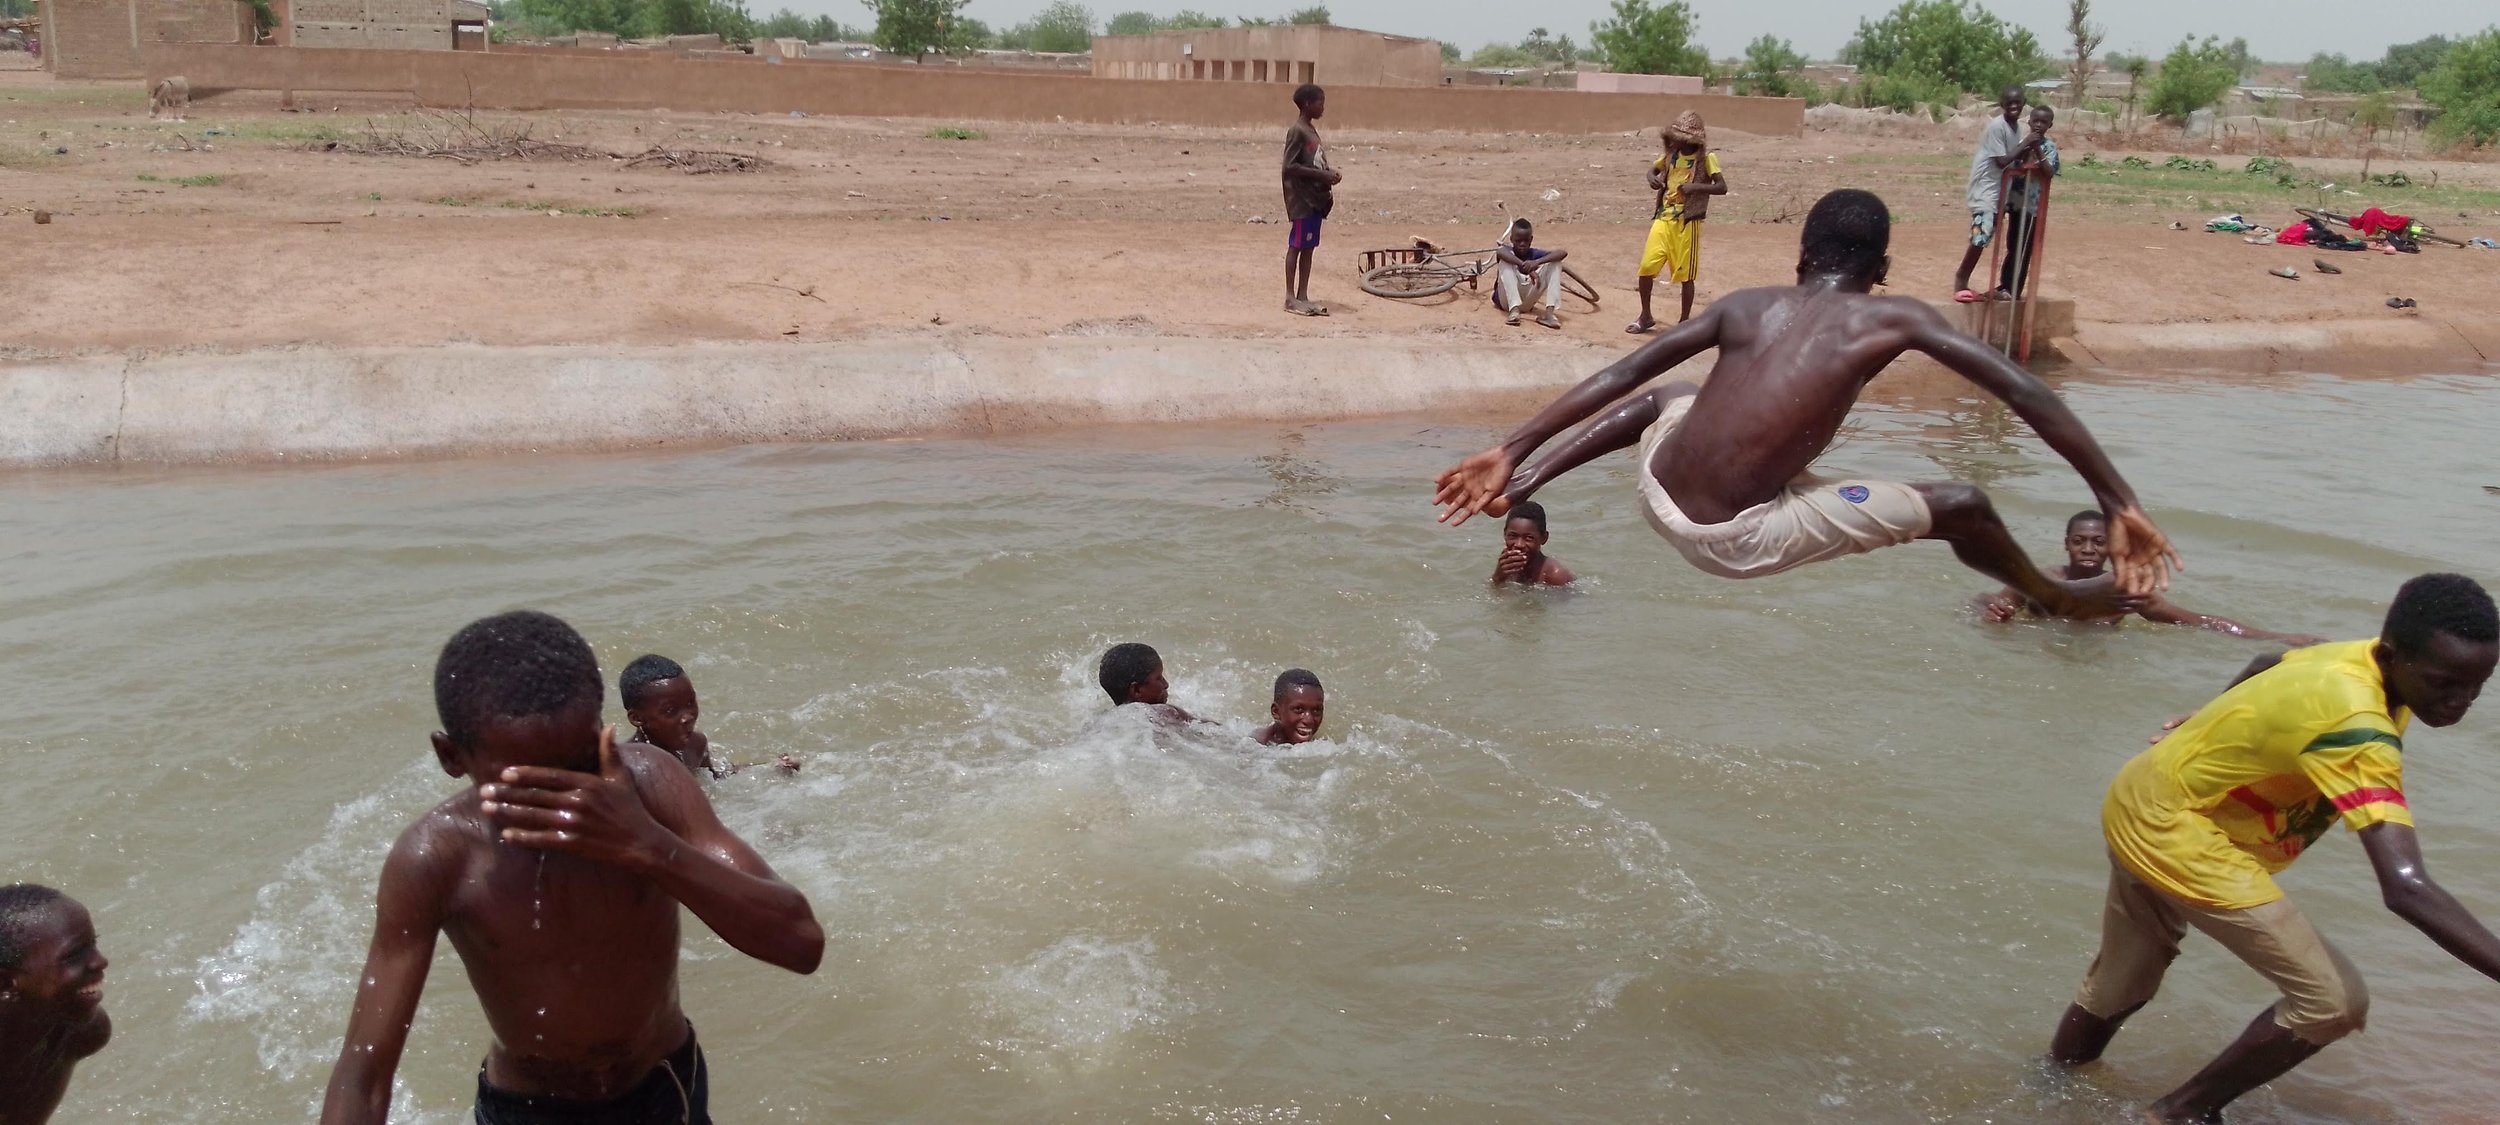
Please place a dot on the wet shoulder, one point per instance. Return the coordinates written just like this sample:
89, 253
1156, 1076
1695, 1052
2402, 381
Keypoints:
666, 786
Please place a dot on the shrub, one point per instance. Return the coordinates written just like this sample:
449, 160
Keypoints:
2193, 77
957, 133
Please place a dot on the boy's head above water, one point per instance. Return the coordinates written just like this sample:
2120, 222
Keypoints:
660, 702
1523, 527
2439, 644
1299, 707
1848, 235
2087, 541
50, 969
517, 689
1133, 673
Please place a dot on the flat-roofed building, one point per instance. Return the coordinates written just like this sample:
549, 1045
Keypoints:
1289, 54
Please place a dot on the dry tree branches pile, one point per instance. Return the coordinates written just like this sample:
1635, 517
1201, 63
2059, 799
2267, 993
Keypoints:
461, 137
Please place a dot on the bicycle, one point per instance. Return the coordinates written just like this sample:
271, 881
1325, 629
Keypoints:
2417, 232
1426, 270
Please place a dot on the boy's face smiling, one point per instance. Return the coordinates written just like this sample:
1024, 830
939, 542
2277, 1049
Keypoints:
1522, 536
1298, 713
667, 715
62, 976
565, 740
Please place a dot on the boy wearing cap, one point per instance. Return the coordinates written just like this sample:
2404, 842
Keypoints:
1685, 176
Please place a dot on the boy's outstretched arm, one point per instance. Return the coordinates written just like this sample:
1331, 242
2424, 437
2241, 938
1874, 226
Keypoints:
416, 882
2138, 551
665, 831
2406, 887
1467, 488
2168, 613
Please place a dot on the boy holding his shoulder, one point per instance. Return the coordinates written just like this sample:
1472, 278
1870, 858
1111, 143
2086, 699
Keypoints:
557, 875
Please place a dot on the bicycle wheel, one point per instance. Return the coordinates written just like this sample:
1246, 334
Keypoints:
2323, 216
2444, 240
1579, 286
1406, 281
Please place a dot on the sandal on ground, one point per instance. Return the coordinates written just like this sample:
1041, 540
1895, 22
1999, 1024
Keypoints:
1549, 319
1511, 319
1639, 329
1965, 297
2287, 273
2402, 303
2323, 266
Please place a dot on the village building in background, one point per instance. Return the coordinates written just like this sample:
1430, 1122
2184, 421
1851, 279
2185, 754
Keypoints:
1289, 54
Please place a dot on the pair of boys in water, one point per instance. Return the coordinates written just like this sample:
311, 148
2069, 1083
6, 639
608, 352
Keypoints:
1133, 673
2196, 825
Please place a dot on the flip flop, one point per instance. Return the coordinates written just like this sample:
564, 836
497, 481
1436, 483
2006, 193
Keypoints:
2287, 273
1636, 329
1965, 297
2323, 267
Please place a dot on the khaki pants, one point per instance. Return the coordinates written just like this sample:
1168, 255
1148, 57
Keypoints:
2323, 997
1539, 292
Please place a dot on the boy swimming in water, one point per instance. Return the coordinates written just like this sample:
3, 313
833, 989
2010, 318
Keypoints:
1724, 467
2198, 826
1133, 673
660, 702
2087, 556
1523, 559
557, 875
1299, 707
51, 999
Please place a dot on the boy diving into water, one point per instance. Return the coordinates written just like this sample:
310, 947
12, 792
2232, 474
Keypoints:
557, 875
1725, 465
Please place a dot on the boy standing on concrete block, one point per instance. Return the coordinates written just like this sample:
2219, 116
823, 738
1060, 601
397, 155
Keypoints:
1309, 194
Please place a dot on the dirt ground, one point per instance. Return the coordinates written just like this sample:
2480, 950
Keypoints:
237, 229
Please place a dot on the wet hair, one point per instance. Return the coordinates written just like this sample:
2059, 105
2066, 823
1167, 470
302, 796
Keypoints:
1530, 511
1848, 232
511, 666
2439, 603
1125, 666
2088, 515
646, 670
1292, 678
23, 906
1306, 93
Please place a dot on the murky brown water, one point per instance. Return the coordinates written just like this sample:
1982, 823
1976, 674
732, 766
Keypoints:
1667, 848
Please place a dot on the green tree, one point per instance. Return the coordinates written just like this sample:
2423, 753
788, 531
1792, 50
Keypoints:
2242, 63
2135, 67
2407, 64
2374, 114
2194, 76
915, 28
1316, 14
824, 30
1133, 23
2336, 74
1449, 52
1947, 43
1065, 27
2466, 88
1547, 50
1188, 17
1642, 38
1772, 69
1504, 56
784, 24
2086, 37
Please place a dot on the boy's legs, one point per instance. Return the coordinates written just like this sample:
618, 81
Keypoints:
1653, 263
1982, 228
1964, 518
1508, 294
2140, 932
2020, 233
2323, 1001
1301, 245
1688, 270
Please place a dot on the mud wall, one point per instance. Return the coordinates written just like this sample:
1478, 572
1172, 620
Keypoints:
497, 80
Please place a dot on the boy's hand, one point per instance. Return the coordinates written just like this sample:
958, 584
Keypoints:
2139, 553
1510, 563
2167, 727
596, 816
1475, 486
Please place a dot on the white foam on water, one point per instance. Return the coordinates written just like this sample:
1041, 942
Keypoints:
1080, 1003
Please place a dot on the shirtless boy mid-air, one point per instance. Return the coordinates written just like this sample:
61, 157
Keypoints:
1725, 477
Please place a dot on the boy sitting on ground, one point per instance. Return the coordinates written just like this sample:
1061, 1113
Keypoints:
660, 702
1133, 673
1298, 708
51, 999
1523, 559
2087, 556
1724, 467
557, 876
1528, 278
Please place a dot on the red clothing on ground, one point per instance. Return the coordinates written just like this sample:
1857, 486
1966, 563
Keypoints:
2373, 221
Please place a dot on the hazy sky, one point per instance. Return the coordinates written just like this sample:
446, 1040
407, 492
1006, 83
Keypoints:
2284, 30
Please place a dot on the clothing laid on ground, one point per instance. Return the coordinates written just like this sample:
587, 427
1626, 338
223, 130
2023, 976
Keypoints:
1306, 196
1996, 140
1674, 245
2324, 998
676, 1092
2375, 221
2240, 789
1514, 291
1812, 519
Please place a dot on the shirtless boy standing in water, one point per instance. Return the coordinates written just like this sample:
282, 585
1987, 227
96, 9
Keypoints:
557, 876
51, 999
1724, 465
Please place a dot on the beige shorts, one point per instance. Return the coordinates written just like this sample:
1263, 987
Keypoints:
1814, 518
2323, 997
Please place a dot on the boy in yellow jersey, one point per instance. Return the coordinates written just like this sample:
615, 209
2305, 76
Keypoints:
2198, 825
1685, 178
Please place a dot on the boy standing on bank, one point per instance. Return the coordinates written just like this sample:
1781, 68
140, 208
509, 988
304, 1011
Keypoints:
557, 875
2198, 826
1310, 193
1685, 177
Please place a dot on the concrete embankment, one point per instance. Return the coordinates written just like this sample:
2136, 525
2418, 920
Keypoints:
342, 404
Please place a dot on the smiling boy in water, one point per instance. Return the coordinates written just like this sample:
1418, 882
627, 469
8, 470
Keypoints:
1299, 708
1725, 468
557, 875
660, 703
2087, 556
1523, 559
51, 999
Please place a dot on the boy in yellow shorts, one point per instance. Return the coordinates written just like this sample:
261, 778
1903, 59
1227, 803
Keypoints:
1685, 177
2198, 826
